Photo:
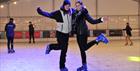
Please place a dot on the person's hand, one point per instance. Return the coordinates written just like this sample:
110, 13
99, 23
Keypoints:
104, 19
38, 8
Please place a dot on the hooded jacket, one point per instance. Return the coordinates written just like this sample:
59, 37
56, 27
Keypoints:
62, 17
79, 21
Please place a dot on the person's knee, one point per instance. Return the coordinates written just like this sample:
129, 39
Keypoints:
64, 51
12, 43
64, 45
83, 52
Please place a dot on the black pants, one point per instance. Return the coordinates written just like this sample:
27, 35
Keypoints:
31, 36
10, 43
83, 45
62, 44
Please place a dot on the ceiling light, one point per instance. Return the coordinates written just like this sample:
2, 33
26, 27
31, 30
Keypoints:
1, 6
15, 2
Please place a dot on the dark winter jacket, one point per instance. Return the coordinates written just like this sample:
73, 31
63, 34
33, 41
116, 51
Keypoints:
63, 26
9, 28
79, 21
56, 15
31, 28
128, 30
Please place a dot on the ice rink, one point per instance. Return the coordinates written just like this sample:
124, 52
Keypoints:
111, 57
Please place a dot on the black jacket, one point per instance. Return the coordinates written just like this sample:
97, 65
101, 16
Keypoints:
56, 15
79, 21
31, 28
53, 15
128, 30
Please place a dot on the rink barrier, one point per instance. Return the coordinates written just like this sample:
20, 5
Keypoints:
52, 33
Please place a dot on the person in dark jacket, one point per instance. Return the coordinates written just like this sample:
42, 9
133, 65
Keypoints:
128, 30
80, 28
9, 28
31, 32
63, 18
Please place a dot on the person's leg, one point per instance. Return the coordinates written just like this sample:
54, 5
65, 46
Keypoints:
131, 43
59, 42
8, 44
82, 42
126, 40
63, 43
12, 45
30, 36
33, 37
90, 44
54, 46
100, 38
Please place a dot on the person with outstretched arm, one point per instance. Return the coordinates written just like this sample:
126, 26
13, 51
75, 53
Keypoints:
80, 28
63, 18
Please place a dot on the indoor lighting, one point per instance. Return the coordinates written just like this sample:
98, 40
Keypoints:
1, 6
15, 2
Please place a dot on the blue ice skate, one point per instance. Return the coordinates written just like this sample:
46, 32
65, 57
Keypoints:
64, 69
83, 68
102, 38
47, 49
